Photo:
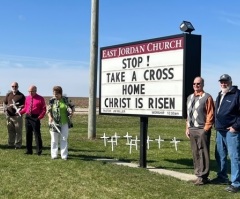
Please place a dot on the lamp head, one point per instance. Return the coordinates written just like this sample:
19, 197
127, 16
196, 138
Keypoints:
186, 26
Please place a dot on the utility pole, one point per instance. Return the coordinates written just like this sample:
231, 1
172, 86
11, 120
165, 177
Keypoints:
93, 70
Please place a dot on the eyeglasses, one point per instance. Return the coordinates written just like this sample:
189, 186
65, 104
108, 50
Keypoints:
31, 91
14, 86
196, 84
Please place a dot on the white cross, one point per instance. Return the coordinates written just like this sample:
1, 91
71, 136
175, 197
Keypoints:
137, 140
113, 141
148, 141
133, 142
175, 142
104, 137
116, 137
159, 140
14, 105
128, 138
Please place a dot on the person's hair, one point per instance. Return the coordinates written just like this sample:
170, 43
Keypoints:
57, 89
14, 84
202, 80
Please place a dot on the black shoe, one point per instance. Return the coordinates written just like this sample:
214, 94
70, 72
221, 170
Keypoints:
232, 189
219, 180
39, 153
28, 153
17, 147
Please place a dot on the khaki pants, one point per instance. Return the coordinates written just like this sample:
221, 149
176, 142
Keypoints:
14, 126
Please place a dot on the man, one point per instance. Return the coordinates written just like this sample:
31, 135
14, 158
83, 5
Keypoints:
35, 109
200, 117
13, 101
227, 124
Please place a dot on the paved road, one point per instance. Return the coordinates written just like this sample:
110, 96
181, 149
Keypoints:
84, 110
77, 110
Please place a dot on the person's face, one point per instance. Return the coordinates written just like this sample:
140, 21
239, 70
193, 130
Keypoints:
14, 87
197, 85
224, 84
32, 91
57, 95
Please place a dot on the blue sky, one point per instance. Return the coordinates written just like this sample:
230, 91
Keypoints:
47, 42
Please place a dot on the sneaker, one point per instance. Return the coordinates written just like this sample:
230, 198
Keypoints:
232, 189
201, 181
219, 180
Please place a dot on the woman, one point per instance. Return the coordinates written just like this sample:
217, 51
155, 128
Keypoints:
60, 110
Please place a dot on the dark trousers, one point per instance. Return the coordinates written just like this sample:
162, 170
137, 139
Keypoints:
200, 144
33, 125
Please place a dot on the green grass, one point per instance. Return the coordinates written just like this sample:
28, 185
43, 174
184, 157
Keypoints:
24, 176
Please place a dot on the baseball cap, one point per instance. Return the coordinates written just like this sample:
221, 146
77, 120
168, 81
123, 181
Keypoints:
225, 77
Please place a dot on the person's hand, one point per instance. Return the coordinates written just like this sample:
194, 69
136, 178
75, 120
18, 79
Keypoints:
231, 129
187, 133
50, 120
205, 131
70, 112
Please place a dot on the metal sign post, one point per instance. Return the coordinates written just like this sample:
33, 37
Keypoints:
143, 141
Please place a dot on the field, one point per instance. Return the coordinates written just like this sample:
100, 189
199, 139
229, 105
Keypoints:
84, 176
81, 102
77, 101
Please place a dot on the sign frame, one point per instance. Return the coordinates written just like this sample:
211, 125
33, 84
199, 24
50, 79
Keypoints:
191, 68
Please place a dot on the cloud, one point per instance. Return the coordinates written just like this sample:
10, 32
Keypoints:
230, 18
73, 76
12, 61
73, 81
236, 23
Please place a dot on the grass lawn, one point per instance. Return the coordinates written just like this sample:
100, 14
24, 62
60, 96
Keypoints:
32, 176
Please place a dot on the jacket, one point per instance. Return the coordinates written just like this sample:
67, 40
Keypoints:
228, 114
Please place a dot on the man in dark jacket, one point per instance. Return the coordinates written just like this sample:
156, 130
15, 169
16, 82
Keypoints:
227, 124
13, 101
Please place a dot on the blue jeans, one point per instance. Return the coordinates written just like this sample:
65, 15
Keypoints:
228, 143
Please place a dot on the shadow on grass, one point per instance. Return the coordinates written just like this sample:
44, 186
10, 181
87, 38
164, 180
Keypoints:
5, 146
84, 150
189, 164
98, 157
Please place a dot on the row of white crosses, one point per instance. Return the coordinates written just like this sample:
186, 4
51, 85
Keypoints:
134, 142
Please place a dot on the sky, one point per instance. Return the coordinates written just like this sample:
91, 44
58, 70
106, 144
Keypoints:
47, 42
